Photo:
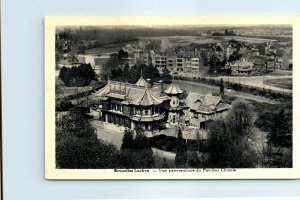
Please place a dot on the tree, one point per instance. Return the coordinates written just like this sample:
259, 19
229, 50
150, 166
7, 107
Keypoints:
77, 76
134, 74
280, 133
226, 32
117, 74
240, 118
122, 54
217, 146
126, 72
204, 58
181, 151
128, 141
228, 139
63, 105
81, 49
137, 152
77, 146
150, 72
166, 77
222, 87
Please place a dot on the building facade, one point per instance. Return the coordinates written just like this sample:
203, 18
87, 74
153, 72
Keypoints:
204, 108
153, 107
132, 105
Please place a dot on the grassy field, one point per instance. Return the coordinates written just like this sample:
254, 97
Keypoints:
185, 40
285, 83
250, 40
281, 73
167, 41
109, 48
182, 40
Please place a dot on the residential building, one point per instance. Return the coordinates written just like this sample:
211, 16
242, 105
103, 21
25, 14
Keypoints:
160, 61
204, 108
242, 67
142, 58
171, 63
97, 61
195, 64
179, 63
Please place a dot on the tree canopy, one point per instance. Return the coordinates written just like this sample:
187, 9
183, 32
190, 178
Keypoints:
228, 139
77, 76
136, 151
181, 151
77, 146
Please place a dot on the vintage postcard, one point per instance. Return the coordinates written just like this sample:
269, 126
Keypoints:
172, 97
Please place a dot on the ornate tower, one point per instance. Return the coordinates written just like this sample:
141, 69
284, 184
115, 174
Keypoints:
175, 109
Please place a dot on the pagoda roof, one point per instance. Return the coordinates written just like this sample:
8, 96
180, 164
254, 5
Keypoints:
173, 89
132, 94
141, 82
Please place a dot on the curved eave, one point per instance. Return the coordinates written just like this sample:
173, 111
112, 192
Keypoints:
147, 119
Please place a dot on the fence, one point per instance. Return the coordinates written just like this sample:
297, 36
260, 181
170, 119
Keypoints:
268, 93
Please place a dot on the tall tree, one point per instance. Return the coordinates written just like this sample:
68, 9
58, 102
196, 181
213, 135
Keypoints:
166, 76
222, 87
228, 139
126, 72
280, 133
181, 151
240, 118
136, 153
128, 141
134, 74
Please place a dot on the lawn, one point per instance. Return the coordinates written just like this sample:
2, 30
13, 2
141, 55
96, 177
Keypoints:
284, 83
281, 73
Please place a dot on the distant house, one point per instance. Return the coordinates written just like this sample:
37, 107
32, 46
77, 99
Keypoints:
97, 61
203, 108
262, 49
142, 58
160, 62
242, 67
259, 65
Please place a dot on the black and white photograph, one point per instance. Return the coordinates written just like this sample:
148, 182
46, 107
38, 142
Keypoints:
173, 98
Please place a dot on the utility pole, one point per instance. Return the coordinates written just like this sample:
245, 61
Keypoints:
263, 82
239, 76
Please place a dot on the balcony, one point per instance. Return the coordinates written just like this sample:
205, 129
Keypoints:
148, 118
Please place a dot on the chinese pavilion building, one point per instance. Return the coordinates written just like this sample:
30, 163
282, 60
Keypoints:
152, 107
132, 105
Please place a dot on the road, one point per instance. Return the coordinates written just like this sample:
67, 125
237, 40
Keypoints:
254, 81
204, 89
108, 135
